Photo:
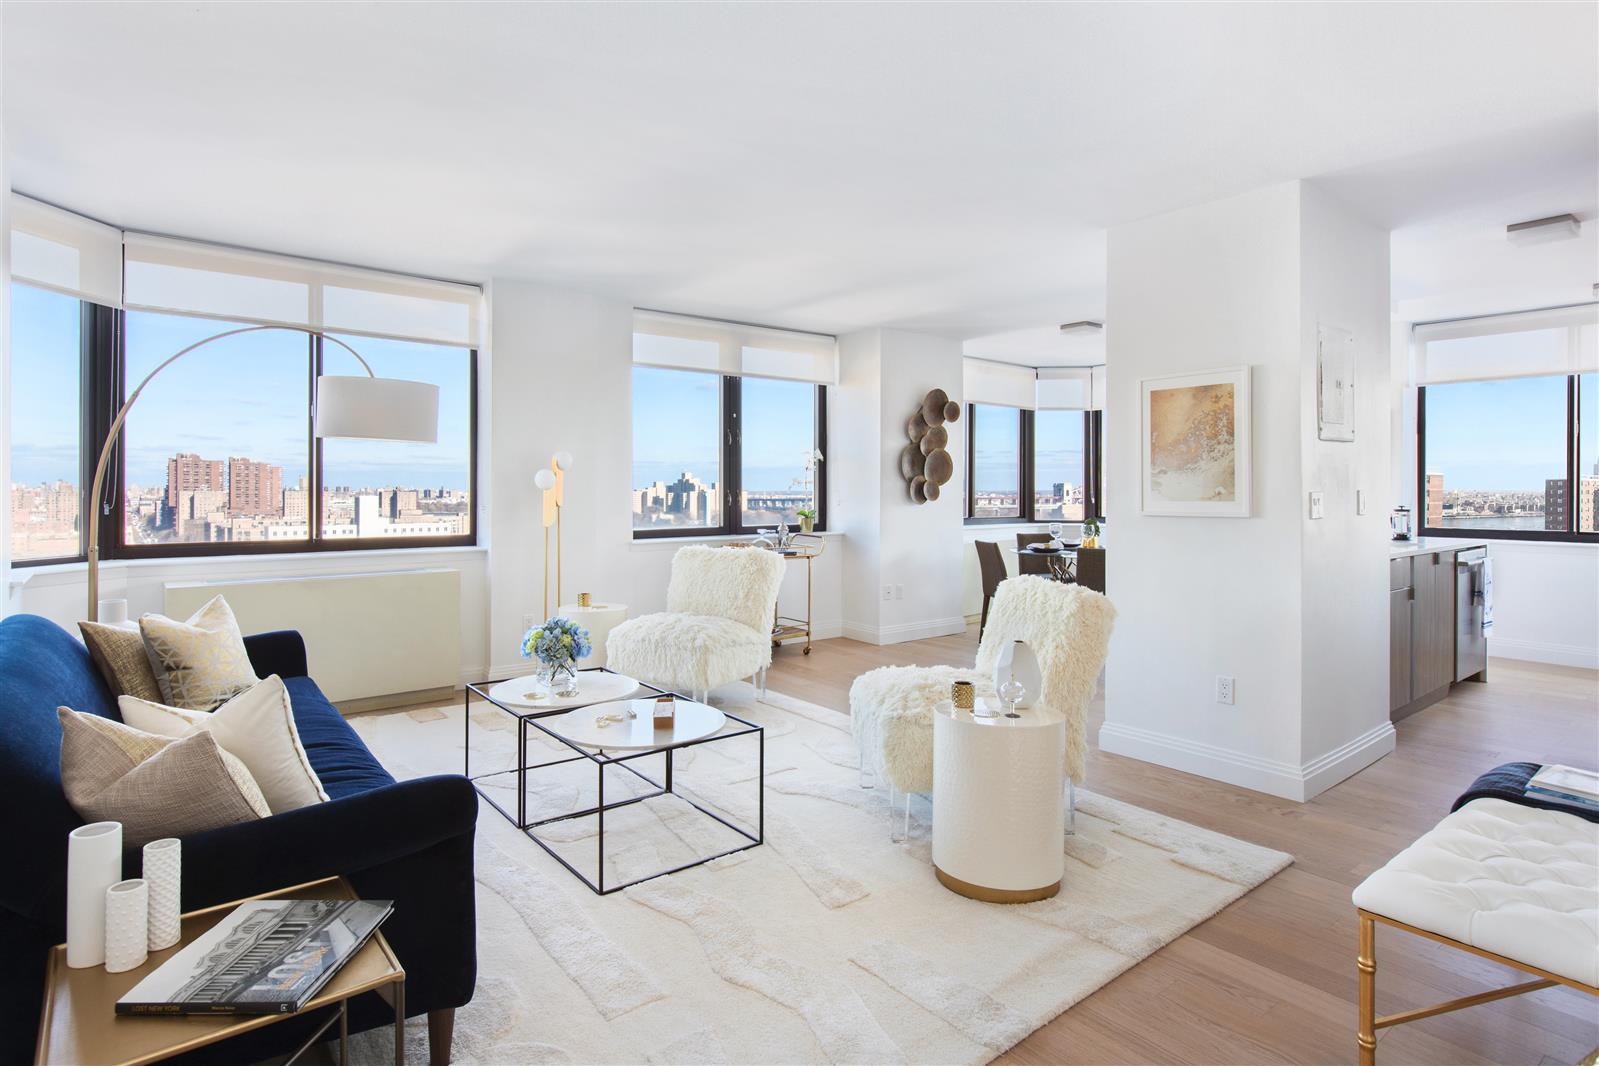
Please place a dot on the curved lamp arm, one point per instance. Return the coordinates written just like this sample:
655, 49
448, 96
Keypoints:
93, 571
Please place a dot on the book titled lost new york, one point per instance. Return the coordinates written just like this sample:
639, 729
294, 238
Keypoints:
269, 956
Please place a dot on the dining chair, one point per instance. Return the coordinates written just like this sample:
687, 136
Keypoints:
1032, 564
992, 565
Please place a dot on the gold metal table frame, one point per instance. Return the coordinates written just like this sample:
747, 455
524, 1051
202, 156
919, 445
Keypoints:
808, 547
1366, 964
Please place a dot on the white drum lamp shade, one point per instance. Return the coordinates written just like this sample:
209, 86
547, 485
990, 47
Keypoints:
369, 408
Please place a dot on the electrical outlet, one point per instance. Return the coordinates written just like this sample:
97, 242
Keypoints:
1224, 689
888, 593
899, 592
1360, 501
1315, 505
529, 621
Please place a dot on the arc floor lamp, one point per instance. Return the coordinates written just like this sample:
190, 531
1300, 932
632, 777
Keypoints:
346, 408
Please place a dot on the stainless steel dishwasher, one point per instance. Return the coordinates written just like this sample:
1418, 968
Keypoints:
1471, 643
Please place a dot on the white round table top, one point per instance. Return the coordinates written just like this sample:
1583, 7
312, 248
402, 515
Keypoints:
567, 610
692, 721
1034, 717
592, 686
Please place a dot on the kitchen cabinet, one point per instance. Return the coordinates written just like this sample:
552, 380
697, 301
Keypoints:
1421, 629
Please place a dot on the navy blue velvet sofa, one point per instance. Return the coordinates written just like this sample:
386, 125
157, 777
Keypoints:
409, 841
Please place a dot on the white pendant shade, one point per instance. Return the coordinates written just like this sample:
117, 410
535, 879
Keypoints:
368, 408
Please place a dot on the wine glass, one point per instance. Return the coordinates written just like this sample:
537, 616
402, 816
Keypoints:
1012, 692
1055, 532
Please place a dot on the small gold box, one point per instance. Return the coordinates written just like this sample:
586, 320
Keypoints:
963, 695
584, 599
665, 712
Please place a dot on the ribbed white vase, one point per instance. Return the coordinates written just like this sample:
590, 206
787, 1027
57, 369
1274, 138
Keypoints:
94, 864
1017, 661
127, 922
163, 869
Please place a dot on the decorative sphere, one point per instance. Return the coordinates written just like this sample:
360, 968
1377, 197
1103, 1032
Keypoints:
544, 479
563, 460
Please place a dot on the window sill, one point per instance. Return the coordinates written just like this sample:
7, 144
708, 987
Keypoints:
64, 573
658, 544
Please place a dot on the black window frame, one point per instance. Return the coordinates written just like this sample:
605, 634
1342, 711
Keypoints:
104, 387
731, 474
1093, 471
1573, 440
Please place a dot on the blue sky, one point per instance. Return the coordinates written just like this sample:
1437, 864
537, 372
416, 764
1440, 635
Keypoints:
677, 419
1057, 448
1505, 435
245, 395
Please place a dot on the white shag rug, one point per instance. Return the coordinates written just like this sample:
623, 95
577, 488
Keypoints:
829, 943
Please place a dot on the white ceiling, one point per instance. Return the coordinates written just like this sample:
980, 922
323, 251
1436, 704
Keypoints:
949, 168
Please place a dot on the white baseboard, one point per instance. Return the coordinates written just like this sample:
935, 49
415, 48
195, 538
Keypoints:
1270, 776
899, 634
1538, 652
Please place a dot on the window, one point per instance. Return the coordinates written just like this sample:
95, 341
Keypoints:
677, 451
1506, 458
689, 427
1032, 466
1059, 467
46, 428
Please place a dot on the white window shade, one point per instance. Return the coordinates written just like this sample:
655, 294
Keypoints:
187, 277
1004, 384
1534, 343
67, 253
683, 342
1071, 388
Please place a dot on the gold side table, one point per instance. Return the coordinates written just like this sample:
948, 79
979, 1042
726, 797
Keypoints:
79, 1023
807, 547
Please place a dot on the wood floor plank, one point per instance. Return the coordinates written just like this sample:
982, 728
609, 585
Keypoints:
1272, 978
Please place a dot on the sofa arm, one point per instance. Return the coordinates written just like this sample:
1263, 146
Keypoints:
342, 836
280, 652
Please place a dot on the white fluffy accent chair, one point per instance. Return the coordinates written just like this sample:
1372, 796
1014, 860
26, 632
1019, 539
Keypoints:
1067, 626
717, 626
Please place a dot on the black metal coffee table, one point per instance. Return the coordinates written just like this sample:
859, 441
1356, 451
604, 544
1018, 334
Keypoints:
536, 718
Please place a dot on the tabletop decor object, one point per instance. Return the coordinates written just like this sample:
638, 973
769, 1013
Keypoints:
349, 408
163, 871
924, 463
558, 644
585, 599
1017, 663
962, 694
127, 929
94, 864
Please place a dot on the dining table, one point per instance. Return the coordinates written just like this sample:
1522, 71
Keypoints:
1062, 561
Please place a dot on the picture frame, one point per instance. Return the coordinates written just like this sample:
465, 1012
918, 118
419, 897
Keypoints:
1335, 383
1196, 433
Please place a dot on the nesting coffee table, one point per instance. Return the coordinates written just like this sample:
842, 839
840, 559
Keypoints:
611, 732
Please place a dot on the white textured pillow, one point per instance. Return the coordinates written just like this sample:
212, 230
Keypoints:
200, 663
257, 726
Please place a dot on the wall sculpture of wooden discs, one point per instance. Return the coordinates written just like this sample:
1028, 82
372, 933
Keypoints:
925, 462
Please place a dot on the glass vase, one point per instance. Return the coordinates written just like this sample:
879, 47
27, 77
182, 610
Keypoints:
560, 679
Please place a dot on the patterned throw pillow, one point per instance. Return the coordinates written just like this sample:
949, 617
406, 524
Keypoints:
258, 726
118, 651
155, 786
199, 664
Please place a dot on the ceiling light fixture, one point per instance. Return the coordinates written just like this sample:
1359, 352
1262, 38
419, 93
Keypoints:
1084, 327
1544, 230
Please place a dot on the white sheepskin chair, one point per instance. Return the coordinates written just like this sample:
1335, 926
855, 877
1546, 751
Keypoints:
717, 626
1067, 626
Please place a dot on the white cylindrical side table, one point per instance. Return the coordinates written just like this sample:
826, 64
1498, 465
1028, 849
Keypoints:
599, 619
999, 822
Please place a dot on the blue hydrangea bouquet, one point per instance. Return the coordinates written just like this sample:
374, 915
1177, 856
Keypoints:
558, 644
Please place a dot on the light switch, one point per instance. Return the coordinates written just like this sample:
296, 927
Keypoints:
1360, 501
1315, 505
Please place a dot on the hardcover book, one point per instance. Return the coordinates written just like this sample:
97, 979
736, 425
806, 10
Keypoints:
267, 957
1583, 784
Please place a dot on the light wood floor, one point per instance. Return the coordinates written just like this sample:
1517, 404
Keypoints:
1272, 978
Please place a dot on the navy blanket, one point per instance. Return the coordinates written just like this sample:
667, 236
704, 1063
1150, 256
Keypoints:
1509, 782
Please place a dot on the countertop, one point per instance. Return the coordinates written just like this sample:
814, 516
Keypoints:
1401, 549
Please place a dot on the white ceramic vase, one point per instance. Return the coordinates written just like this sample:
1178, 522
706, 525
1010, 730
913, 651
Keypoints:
94, 864
163, 870
127, 925
1018, 662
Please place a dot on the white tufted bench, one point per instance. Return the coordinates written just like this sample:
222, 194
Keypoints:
1511, 883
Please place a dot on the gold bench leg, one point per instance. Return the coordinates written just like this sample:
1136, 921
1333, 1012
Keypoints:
1366, 963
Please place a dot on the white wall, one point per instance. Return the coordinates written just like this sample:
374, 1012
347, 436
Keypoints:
914, 549
1243, 281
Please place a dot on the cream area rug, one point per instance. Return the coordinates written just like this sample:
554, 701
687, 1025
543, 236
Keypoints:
829, 943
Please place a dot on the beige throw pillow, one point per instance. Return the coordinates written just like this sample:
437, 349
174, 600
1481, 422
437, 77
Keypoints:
258, 726
155, 786
201, 663
118, 652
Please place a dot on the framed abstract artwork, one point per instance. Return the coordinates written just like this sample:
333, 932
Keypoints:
1196, 444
